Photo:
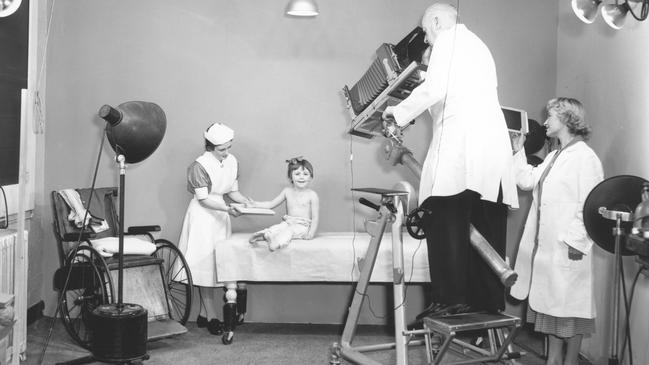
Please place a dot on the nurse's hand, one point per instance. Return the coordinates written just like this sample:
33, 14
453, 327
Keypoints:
233, 211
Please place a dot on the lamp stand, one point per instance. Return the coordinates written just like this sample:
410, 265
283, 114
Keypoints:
618, 232
119, 330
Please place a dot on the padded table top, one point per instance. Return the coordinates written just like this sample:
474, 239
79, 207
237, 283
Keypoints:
329, 257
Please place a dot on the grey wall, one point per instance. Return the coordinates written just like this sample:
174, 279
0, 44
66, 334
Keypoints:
606, 70
274, 79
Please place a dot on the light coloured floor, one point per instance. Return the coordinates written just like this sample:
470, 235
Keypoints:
253, 344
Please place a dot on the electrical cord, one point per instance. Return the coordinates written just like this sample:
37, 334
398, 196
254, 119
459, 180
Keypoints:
5, 225
627, 304
436, 165
644, 10
354, 262
73, 253
627, 329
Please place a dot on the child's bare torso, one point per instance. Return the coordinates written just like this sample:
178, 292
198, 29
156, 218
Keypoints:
298, 202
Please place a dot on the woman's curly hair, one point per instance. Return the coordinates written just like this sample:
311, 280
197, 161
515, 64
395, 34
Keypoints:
571, 113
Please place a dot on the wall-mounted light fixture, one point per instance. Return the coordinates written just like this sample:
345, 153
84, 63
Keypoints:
614, 14
8, 7
301, 8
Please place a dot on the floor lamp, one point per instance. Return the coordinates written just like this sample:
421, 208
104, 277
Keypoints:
608, 218
119, 330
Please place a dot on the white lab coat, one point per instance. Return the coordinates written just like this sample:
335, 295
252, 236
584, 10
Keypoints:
470, 148
555, 284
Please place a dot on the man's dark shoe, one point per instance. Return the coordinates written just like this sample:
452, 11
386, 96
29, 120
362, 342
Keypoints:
460, 309
434, 309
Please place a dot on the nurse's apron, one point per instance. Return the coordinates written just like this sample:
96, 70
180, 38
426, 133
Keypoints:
203, 227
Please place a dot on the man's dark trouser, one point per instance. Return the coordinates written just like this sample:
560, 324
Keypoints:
458, 274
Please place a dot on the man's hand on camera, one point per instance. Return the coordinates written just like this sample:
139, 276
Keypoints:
388, 113
389, 124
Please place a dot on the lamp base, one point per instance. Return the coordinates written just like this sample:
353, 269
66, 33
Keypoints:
118, 333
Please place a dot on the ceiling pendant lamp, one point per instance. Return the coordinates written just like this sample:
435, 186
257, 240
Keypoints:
586, 10
302, 8
8, 7
615, 14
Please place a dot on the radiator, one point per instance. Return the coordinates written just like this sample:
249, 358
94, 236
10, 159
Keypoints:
13, 280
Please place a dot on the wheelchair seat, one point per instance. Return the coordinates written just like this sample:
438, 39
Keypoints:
156, 277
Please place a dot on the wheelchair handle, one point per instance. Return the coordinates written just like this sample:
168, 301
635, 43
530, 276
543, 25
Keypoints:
143, 229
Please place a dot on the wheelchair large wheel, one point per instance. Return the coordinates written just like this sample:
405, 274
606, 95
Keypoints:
89, 284
177, 278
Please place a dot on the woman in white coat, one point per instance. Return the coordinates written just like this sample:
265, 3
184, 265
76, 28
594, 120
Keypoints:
554, 260
210, 177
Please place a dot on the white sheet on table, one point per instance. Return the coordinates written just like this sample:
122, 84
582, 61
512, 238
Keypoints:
327, 257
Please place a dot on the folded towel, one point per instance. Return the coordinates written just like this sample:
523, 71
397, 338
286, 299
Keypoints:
78, 212
109, 246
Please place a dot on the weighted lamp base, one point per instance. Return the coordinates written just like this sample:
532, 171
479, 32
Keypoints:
118, 333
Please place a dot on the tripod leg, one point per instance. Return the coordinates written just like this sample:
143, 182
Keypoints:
363, 282
400, 340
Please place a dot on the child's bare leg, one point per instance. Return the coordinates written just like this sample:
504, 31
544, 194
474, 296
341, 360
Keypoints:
282, 238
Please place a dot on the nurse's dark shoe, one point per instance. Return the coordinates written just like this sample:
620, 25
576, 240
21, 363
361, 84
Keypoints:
201, 321
215, 327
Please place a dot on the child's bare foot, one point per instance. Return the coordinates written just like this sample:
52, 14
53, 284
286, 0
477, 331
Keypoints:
259, 236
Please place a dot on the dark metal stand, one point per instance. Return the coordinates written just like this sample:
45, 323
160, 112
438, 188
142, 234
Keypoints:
131, 350
618, 232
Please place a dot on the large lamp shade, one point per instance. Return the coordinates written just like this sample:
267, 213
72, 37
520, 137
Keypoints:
615, 14
135, 128
619, 193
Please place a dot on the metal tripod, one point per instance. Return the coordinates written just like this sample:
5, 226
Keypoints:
390, 212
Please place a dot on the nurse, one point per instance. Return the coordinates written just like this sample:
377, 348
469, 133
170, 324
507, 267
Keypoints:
213, 175
554, 260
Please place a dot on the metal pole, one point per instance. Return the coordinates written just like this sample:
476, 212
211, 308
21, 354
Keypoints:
122, 189
401, 342
617, 231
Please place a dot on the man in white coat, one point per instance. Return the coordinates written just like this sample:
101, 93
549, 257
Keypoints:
467, 177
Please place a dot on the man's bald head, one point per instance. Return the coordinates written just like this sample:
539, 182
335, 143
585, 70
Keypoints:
445, 13
438, 18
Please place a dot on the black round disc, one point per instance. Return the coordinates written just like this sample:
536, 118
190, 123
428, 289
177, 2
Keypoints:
620, 193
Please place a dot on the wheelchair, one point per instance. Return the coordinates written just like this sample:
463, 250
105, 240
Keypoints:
160, 282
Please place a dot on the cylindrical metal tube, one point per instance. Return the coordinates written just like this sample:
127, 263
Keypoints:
506, 275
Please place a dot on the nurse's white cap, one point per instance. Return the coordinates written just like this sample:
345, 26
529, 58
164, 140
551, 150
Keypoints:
219, 133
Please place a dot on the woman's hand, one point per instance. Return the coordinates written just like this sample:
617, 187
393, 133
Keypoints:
519, 143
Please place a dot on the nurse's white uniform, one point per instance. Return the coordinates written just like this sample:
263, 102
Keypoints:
203, 227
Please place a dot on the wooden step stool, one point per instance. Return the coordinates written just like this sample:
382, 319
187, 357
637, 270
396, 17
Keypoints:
500, 329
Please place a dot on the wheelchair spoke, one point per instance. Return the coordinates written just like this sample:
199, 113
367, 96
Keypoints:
178, 280
89, 284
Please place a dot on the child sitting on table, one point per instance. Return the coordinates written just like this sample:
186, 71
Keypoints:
302, 205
